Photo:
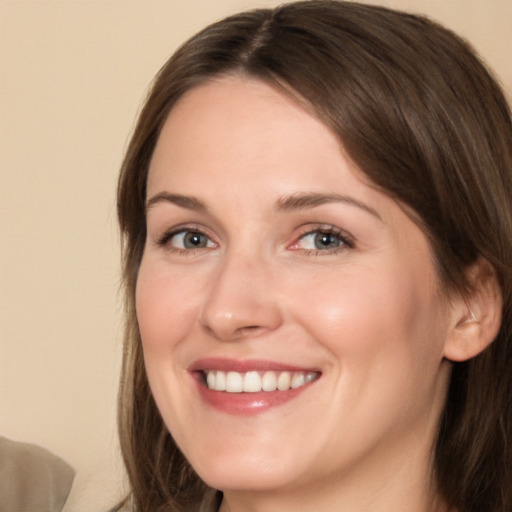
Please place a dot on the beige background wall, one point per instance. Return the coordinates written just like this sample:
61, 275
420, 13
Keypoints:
72, 75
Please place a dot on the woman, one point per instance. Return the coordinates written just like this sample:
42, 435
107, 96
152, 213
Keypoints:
316, 212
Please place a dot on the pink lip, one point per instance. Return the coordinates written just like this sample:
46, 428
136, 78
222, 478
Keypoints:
243, 403
246, 365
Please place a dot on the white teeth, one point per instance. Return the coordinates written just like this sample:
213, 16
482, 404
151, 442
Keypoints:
220, 382
283, 381
298, 380
269, 381
254, 381
234, 382
210, 380
310, 377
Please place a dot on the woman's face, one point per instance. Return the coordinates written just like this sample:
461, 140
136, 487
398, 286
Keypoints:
270, 263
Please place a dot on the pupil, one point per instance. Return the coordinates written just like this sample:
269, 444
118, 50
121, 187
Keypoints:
193, 240
324, 240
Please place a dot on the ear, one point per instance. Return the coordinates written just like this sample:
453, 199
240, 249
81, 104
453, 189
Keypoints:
476, 316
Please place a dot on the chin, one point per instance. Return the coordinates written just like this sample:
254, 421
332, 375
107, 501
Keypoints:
245, 473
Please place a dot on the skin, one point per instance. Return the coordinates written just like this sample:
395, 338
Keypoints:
369, 314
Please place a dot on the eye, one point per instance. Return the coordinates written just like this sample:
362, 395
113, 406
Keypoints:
319, 240
186, 239
325, 240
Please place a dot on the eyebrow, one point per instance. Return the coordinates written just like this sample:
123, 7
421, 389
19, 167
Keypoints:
188, 202
312, 200
300, 201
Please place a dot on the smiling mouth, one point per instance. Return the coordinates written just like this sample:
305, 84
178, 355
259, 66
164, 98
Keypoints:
257, 381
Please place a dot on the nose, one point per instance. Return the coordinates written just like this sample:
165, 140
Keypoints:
241, 300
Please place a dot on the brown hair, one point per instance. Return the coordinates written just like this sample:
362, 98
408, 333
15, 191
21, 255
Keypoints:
422, 117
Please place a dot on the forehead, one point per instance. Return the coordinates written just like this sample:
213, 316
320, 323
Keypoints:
237, 126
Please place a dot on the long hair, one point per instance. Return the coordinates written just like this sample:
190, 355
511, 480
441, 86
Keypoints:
424, 119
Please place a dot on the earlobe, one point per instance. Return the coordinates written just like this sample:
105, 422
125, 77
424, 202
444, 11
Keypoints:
477, 314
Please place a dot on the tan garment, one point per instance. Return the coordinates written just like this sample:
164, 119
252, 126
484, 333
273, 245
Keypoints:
32, 479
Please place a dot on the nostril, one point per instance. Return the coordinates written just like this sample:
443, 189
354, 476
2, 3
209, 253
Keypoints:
248, 330
238, 333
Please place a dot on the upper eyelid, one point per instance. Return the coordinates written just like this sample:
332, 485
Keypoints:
323, 228
167, 234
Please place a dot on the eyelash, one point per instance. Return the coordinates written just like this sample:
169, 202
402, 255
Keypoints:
163, 241
346, 241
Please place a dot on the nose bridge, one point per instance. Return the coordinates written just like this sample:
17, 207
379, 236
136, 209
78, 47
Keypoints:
240, 300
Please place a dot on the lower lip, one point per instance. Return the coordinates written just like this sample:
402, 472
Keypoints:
247, 403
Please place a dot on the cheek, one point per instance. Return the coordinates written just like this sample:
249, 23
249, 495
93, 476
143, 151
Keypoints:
382, 334
165, 306
165, 314
368, 313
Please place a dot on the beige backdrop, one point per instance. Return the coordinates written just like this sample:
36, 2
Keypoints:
73, 74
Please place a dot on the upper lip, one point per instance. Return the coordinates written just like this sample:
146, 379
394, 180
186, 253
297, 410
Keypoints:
244, 365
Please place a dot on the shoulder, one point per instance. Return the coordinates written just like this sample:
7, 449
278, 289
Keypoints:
32, 478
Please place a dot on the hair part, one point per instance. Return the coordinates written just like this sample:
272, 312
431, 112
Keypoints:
427, 124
